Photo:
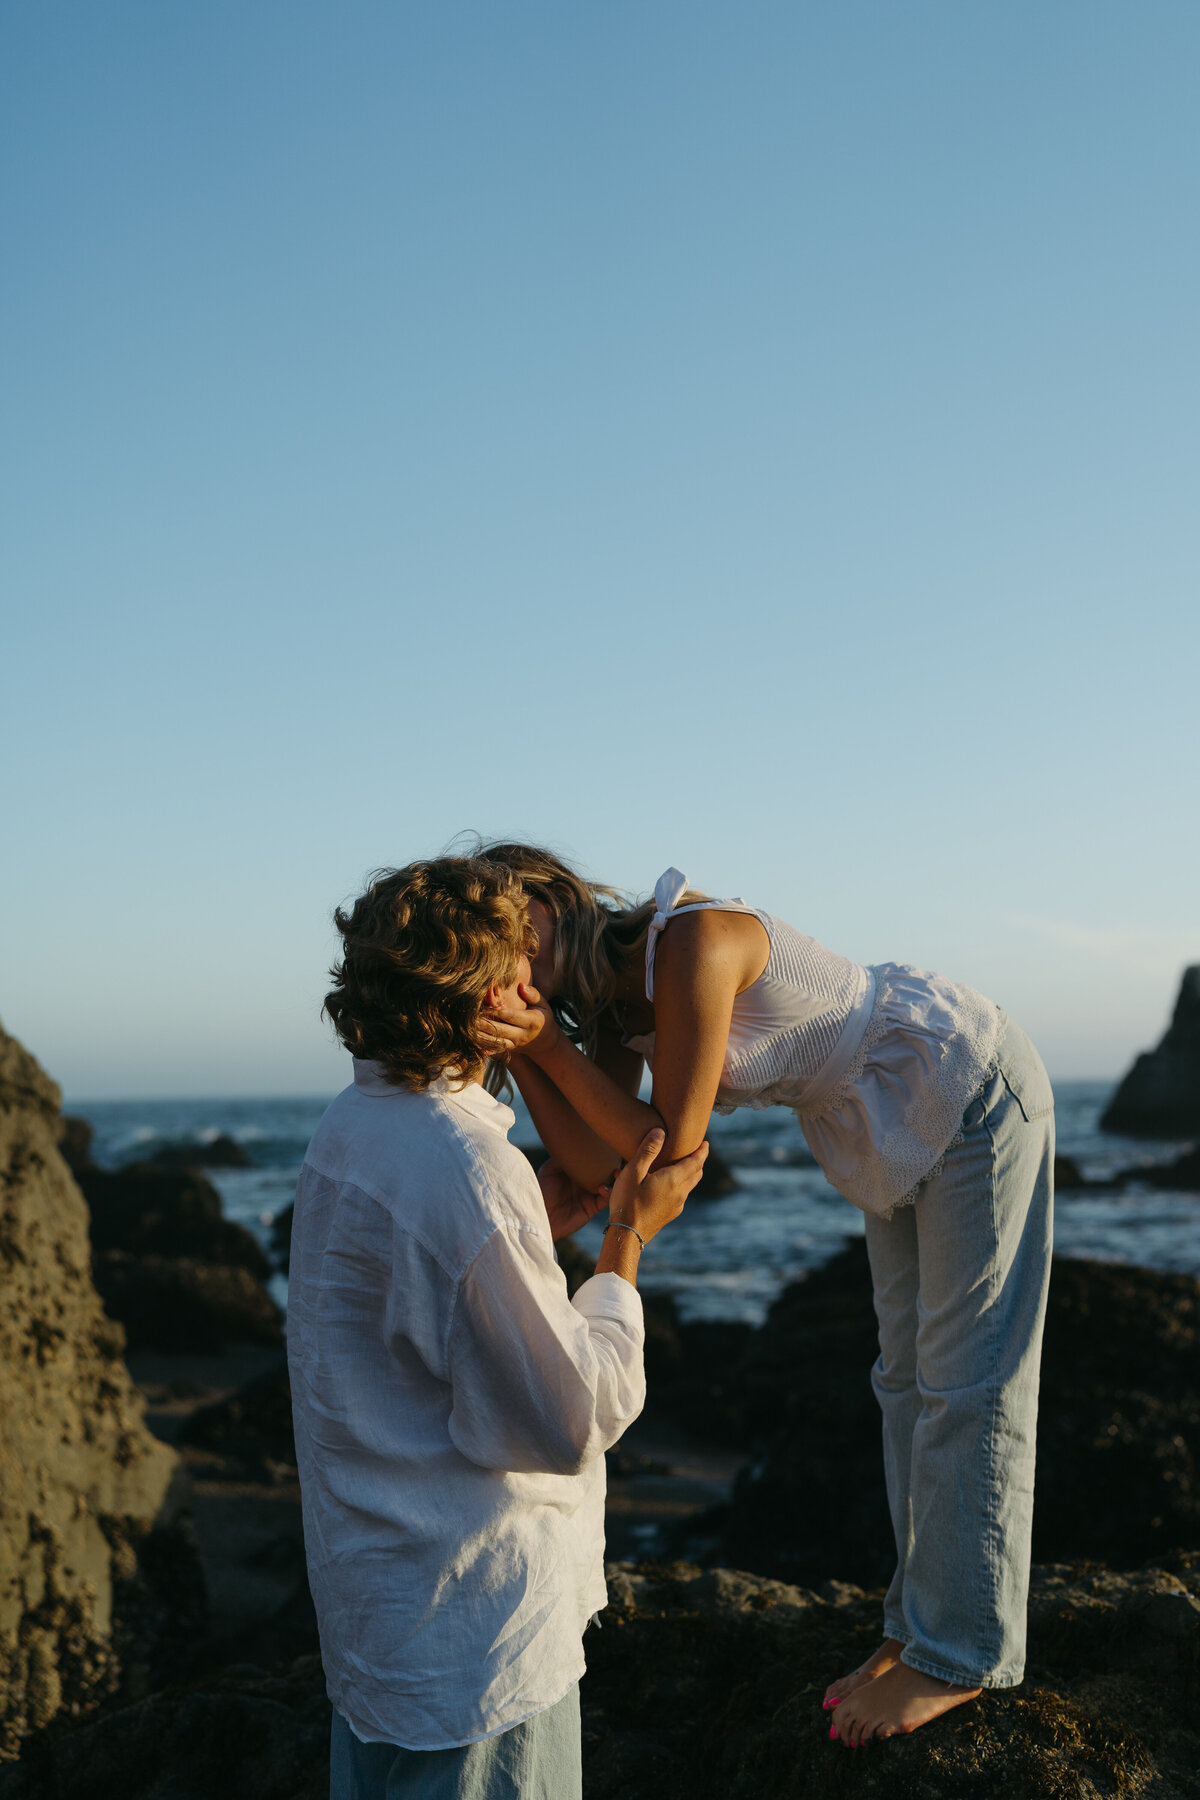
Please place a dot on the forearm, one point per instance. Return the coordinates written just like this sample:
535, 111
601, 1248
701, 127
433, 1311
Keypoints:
614, 1117
539, 1383
585, 1156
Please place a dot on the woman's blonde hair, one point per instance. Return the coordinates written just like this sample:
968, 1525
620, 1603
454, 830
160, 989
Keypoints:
598, 931
421, 948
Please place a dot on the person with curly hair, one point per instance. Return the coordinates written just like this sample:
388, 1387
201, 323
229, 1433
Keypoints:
452, 1404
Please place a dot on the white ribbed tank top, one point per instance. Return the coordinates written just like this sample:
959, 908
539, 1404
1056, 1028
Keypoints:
879, 1064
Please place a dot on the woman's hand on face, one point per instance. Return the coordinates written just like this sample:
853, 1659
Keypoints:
650, 1201
530, 1030
568, 1205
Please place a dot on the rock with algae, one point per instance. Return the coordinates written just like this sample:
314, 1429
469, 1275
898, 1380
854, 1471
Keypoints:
81, 1478
707, 1685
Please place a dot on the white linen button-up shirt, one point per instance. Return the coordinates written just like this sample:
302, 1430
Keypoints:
452, 1407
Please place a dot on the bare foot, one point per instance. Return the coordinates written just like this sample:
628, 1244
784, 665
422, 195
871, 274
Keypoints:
885, 1657
899, 1700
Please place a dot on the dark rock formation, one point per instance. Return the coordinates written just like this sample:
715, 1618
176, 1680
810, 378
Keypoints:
1070, 1178
245, 1735
75, 1144
222, 1152
254, 1425
706, 1685
1160, 1096
82, 1482
1119, 1421
281, 1236
1119, 1424
1183, 1174
151, 1210
717, 1180
709, 1684
178, 1303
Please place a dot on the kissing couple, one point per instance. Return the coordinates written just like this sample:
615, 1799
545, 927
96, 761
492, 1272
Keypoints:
452, 1405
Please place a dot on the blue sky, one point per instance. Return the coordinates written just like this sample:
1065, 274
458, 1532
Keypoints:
760, 439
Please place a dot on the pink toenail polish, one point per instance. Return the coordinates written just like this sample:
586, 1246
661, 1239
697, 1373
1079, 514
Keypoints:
833, 1731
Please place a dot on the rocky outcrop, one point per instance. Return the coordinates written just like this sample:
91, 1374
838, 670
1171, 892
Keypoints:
75, 1144
1183, 1174
1119, 1422
254, 1425
81, 1479
220, 1152
156, 1209
707, 1684
281, 1236
717, 1179
1160, 1096
179, 1303
246, 1735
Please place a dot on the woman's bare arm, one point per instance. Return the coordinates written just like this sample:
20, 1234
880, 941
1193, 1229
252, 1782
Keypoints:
586, 1156
581, 1151
702, 962
616, 1117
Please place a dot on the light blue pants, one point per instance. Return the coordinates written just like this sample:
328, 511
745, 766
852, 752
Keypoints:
960, 1294
536, 1760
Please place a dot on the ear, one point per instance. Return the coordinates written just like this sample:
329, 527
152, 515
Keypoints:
491, 998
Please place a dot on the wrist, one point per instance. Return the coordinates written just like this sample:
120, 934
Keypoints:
620, 1254
626, 1225
543, 1046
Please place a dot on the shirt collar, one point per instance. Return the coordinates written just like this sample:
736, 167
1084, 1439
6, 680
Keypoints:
372, 1078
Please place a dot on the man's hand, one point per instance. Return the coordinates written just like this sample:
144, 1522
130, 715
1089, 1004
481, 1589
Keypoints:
568, 1205
530, 1031
648, 1201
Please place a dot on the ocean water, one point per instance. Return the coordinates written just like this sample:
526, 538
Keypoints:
724, 1259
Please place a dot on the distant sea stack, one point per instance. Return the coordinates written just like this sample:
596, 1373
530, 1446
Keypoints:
1160, 1096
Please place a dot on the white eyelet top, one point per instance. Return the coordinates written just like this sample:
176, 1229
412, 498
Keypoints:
879, 1064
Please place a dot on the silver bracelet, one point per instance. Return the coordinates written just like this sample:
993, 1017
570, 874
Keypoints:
624, 1227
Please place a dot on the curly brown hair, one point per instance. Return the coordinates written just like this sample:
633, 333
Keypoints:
421, 948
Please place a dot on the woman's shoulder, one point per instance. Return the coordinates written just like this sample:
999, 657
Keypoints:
738, 941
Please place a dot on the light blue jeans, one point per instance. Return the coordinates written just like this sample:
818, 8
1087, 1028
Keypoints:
960, 1294
536, 1760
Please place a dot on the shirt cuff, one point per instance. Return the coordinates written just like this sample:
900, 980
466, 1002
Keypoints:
613, 1298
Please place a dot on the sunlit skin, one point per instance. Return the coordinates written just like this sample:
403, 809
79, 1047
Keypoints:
589, 1116
590, 1108
894, 1702
637, 1194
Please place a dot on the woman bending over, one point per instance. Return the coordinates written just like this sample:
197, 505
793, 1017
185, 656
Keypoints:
927, 1108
